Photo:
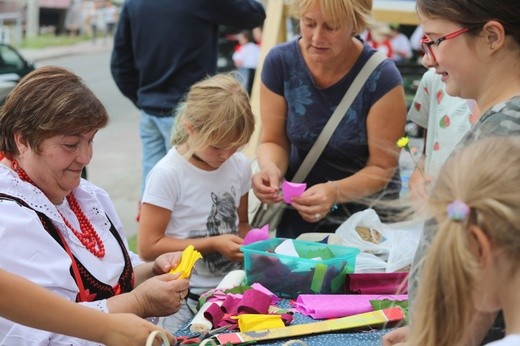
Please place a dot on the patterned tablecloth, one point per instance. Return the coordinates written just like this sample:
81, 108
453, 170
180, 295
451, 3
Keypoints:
347, 338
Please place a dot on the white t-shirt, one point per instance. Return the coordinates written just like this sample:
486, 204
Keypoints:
509, 340
400, 43
247, 55
447, 119
415, 39
110, 14
203, 204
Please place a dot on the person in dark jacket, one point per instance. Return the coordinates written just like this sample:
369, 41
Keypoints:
161, 48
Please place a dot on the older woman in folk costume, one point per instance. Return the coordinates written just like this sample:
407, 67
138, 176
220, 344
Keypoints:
61, 231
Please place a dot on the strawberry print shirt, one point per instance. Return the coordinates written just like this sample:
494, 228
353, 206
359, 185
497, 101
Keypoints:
446, 118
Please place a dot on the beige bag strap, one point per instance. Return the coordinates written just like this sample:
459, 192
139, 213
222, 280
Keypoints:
336, 117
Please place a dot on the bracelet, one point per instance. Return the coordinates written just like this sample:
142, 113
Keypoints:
157, 333
335, 205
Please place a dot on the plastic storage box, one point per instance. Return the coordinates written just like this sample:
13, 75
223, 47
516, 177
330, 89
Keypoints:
321, 268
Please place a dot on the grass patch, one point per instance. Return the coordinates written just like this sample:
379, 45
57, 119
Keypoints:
132, 243
50, 40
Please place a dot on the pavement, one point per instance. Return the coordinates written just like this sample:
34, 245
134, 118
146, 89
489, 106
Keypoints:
40, 54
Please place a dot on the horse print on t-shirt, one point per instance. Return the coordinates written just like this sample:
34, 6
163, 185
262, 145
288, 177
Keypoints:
222, 220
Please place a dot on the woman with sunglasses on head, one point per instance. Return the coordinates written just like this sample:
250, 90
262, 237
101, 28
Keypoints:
475, 47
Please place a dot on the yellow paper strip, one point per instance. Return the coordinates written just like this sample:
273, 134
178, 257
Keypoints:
252, 322
189, 257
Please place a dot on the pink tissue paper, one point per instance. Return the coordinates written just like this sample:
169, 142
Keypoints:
322, 306
290, 190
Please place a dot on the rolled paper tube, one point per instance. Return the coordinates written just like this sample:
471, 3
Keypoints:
259, 287
199, 323
232, 279
254, 302
214, 314
287, 318
290, 190
230, 304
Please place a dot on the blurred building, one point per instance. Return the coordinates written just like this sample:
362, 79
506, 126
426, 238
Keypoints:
12, 16
52, 14
34, 15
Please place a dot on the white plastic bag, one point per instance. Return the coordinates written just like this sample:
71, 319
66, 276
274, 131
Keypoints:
384, 247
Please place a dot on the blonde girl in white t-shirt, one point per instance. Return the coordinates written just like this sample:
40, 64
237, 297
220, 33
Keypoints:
197, 194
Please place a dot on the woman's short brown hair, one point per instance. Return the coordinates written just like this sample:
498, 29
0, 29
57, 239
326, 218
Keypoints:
47, 102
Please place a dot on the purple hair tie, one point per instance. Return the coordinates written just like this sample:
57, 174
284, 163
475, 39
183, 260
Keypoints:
458, 210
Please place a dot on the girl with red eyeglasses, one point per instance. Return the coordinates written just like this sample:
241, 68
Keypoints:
475, 47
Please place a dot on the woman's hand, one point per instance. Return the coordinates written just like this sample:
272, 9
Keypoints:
316, 202
131, 330
161, 295
266, 184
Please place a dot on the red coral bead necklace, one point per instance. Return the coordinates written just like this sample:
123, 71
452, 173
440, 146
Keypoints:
88, 235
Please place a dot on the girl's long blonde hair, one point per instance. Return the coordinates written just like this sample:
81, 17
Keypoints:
218, 109
485, 176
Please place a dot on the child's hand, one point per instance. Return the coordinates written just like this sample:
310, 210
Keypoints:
165, 262
228, 245
419, 186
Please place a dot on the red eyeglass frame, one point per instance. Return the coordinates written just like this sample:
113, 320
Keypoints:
426, 43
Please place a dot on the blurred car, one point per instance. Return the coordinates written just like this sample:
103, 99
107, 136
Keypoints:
13, 66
